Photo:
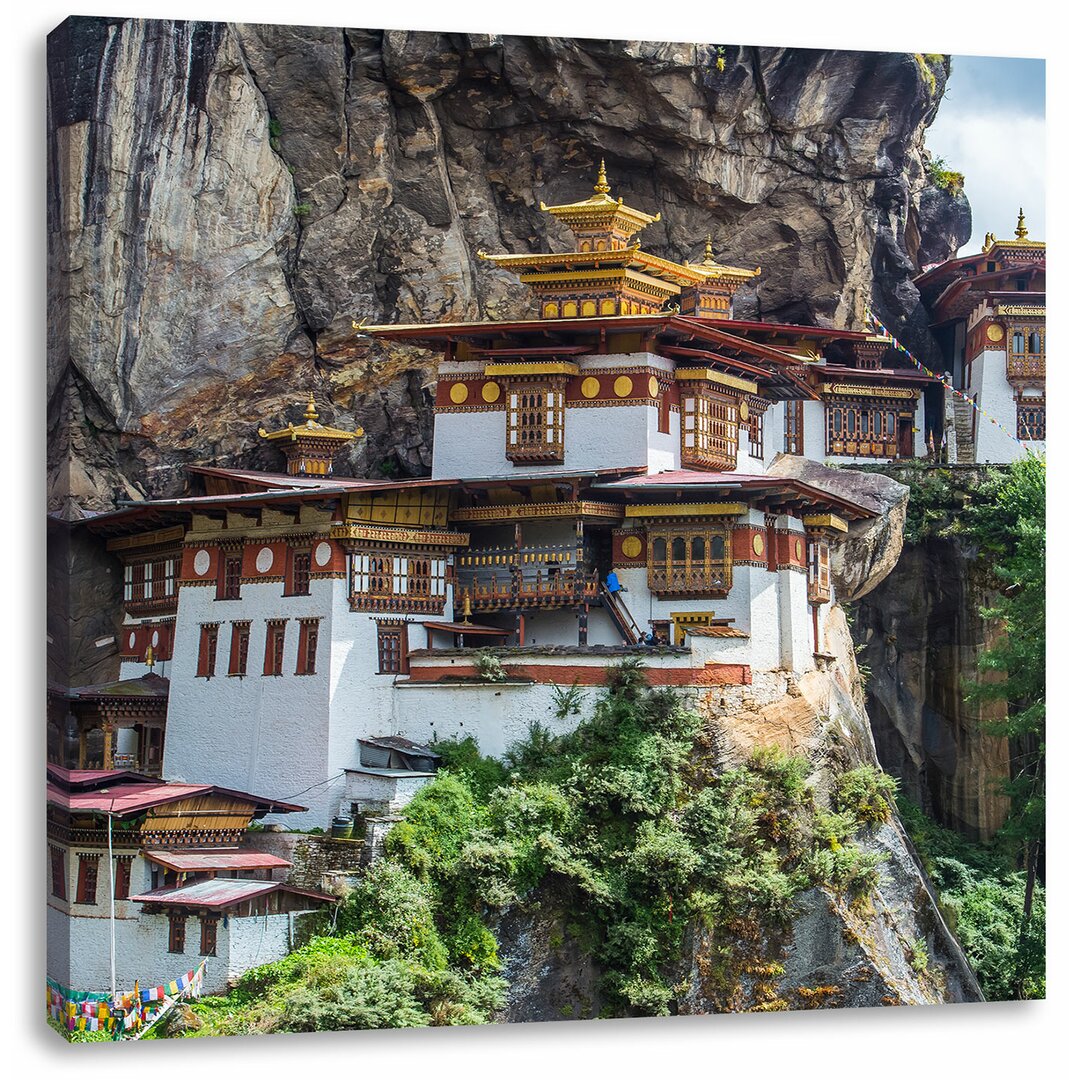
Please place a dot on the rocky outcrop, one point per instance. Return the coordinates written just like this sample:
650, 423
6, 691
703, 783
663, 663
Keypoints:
225, 201
921, 634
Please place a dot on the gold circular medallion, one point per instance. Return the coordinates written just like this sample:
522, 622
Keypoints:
590, 387
459, 393
631, 546
654, 386
623, 385
995, 332
490, 392
744, 411
759, 545
798, 550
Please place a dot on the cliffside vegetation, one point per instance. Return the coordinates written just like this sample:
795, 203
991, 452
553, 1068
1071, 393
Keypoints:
625, 825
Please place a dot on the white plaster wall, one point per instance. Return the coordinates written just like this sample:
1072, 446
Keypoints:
496, 714
254, 940
395, 791
995, 396
814, 430
764, 623
644, 606
265, 734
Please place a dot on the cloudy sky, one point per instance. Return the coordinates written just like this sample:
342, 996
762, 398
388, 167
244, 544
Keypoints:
991, 126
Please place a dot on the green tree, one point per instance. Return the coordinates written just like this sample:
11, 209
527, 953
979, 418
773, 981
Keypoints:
1008, 520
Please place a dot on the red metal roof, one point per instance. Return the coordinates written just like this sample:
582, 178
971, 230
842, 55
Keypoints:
221, 893
187, 861
466, 628
129, 797
90, 778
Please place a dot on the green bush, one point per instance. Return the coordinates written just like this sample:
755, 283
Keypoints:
866, 793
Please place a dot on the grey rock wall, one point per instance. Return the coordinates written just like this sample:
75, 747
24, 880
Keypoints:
226, 200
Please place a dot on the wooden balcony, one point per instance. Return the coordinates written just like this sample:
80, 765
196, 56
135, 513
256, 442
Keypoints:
1025, 366
692, 581
532, 576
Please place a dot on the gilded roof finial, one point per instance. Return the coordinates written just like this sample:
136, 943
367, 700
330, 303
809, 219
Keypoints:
602, 187
708, 250
309, 412
1021, 228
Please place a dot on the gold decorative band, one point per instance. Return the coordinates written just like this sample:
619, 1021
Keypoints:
391, 535
722, 377
719, 509
514, 511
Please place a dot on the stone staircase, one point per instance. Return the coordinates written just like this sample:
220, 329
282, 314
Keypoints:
964, 432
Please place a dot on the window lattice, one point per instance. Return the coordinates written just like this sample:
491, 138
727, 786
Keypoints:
385, 581
392, 650
1031, 421
793, 427
149, 581
710, 430
690, 560
862, 430
534, 422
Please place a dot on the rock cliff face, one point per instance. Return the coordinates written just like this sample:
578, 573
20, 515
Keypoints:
224, 201
892, 949
923, 633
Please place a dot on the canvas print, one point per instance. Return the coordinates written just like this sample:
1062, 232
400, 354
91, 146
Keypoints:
539, 529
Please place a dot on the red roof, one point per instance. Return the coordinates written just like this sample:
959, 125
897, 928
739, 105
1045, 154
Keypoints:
188, 861
90, 778
128, 797
221, 893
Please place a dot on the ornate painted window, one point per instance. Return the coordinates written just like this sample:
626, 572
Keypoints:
818, 580
862, 430
208, 936
238, 651
755, 436
308, 647
58, 864
299, 572
535, 416
229, 575
88, 874
710, 430
274, 656
177, 926
392, 646
1031, 419
150, 582
394, 581
208, 637
689, 560
122, 877
793, 427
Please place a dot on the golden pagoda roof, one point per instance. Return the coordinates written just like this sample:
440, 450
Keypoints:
579, 261
713, 270
311, 428
1021, 238
600, 209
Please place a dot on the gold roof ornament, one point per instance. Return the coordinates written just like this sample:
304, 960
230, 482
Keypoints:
1021, 228
601, 211
712, 269
311, 428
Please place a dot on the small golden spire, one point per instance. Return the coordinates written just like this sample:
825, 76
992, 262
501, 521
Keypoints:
708, 249
1021, 228
602, 187
309, 412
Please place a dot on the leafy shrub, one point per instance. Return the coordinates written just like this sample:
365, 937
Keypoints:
867, 793
488, 667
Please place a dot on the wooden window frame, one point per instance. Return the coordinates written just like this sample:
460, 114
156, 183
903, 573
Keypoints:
710, 429
1031, 419
388, 580
794, 426
208, 645
58, 872
177, 932
755, 436
239, 647
122, 877
307, 650
819, 580
689, 575
536, 429
274, 652
298, 576
230, 575
208, 927
862, 429
86, 889
392, 643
